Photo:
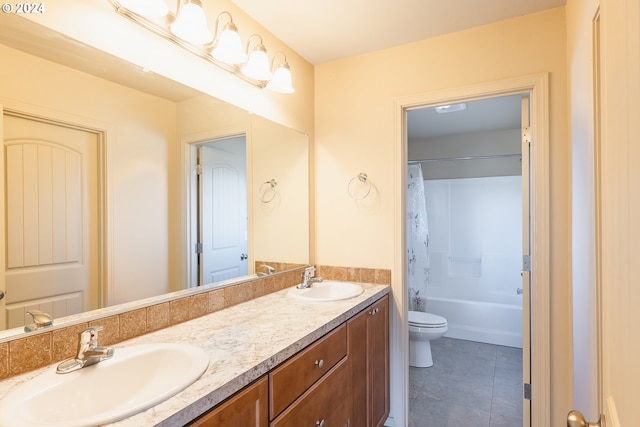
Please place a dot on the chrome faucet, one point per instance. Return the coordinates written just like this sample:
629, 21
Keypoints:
307, 278
270, 270
40, 320
89, 353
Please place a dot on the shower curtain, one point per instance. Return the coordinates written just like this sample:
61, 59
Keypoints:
417, 239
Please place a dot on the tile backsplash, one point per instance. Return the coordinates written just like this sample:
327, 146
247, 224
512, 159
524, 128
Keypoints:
45, 347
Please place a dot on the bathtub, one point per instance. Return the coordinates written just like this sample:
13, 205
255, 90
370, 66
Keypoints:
488, 322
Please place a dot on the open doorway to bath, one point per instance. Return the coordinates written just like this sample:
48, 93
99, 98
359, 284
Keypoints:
468, 165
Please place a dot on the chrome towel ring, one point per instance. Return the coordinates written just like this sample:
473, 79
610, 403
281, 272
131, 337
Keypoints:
267, 194
352, 186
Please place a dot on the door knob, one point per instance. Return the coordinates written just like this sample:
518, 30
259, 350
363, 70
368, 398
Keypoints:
1, 295
576, 419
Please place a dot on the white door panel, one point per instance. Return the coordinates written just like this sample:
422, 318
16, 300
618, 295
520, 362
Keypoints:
51, 218
613, 318
224, 214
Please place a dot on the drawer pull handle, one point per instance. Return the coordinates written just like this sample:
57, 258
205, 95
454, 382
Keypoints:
374, 311
319, 364
320, 423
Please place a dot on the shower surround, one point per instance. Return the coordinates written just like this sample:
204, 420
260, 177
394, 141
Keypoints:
473, 244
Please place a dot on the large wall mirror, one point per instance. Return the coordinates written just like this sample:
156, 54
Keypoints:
121, 185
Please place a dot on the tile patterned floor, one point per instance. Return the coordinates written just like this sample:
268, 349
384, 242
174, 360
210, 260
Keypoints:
470, 384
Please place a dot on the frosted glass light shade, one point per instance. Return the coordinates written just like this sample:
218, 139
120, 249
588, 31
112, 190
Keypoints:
281, 81
191, 25
228, 47
257, 67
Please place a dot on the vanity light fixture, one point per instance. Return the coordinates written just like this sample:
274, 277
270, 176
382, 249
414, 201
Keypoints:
191, 23
188, 29
257, 67
281, 81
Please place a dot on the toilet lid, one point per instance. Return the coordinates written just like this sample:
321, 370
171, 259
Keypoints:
422, 318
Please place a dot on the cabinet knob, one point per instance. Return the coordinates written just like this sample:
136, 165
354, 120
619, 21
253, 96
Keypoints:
320, 423
374, 311
319, 364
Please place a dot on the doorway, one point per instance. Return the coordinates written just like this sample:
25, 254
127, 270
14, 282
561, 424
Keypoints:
467, 190
537, 88
219, 226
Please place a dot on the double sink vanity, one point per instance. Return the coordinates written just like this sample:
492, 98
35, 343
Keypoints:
317, 356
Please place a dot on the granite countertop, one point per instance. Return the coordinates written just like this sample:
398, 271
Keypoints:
244, 342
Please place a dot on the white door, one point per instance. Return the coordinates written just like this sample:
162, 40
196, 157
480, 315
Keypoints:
615, 317
51, 183
224, 210
620, 212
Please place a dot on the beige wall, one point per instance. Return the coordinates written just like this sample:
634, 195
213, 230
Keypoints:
355, 133
140, 132
281, 225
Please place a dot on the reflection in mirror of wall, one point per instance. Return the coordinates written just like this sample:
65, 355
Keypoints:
144, 124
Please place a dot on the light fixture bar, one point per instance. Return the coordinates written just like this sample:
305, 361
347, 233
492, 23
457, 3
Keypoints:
166, 33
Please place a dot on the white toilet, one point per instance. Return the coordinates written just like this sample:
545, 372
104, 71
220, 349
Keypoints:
424, 328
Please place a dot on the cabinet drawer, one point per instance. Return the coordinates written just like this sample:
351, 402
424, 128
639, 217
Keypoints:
247, 408
296, 375
326, 403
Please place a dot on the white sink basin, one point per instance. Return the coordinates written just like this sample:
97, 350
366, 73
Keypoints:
134, 379
327, 290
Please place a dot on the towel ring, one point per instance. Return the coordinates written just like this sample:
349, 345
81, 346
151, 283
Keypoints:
362, 177
273, 186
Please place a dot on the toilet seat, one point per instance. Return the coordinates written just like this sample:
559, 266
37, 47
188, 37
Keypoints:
426, 320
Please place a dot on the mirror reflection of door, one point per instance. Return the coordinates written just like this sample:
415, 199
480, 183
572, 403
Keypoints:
51, 181
222, 211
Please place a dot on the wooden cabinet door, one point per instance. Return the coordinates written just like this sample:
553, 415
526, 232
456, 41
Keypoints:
357, 348
247, 408
368, 347
378, 353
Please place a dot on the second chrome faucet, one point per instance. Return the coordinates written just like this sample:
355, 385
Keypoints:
89, 353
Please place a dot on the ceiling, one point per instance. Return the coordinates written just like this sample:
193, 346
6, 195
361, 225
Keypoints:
482, 115
328, 30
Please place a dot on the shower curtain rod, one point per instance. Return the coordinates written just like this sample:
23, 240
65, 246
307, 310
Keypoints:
449, 159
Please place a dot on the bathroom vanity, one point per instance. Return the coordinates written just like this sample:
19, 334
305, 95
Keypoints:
274, 361
342, 379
